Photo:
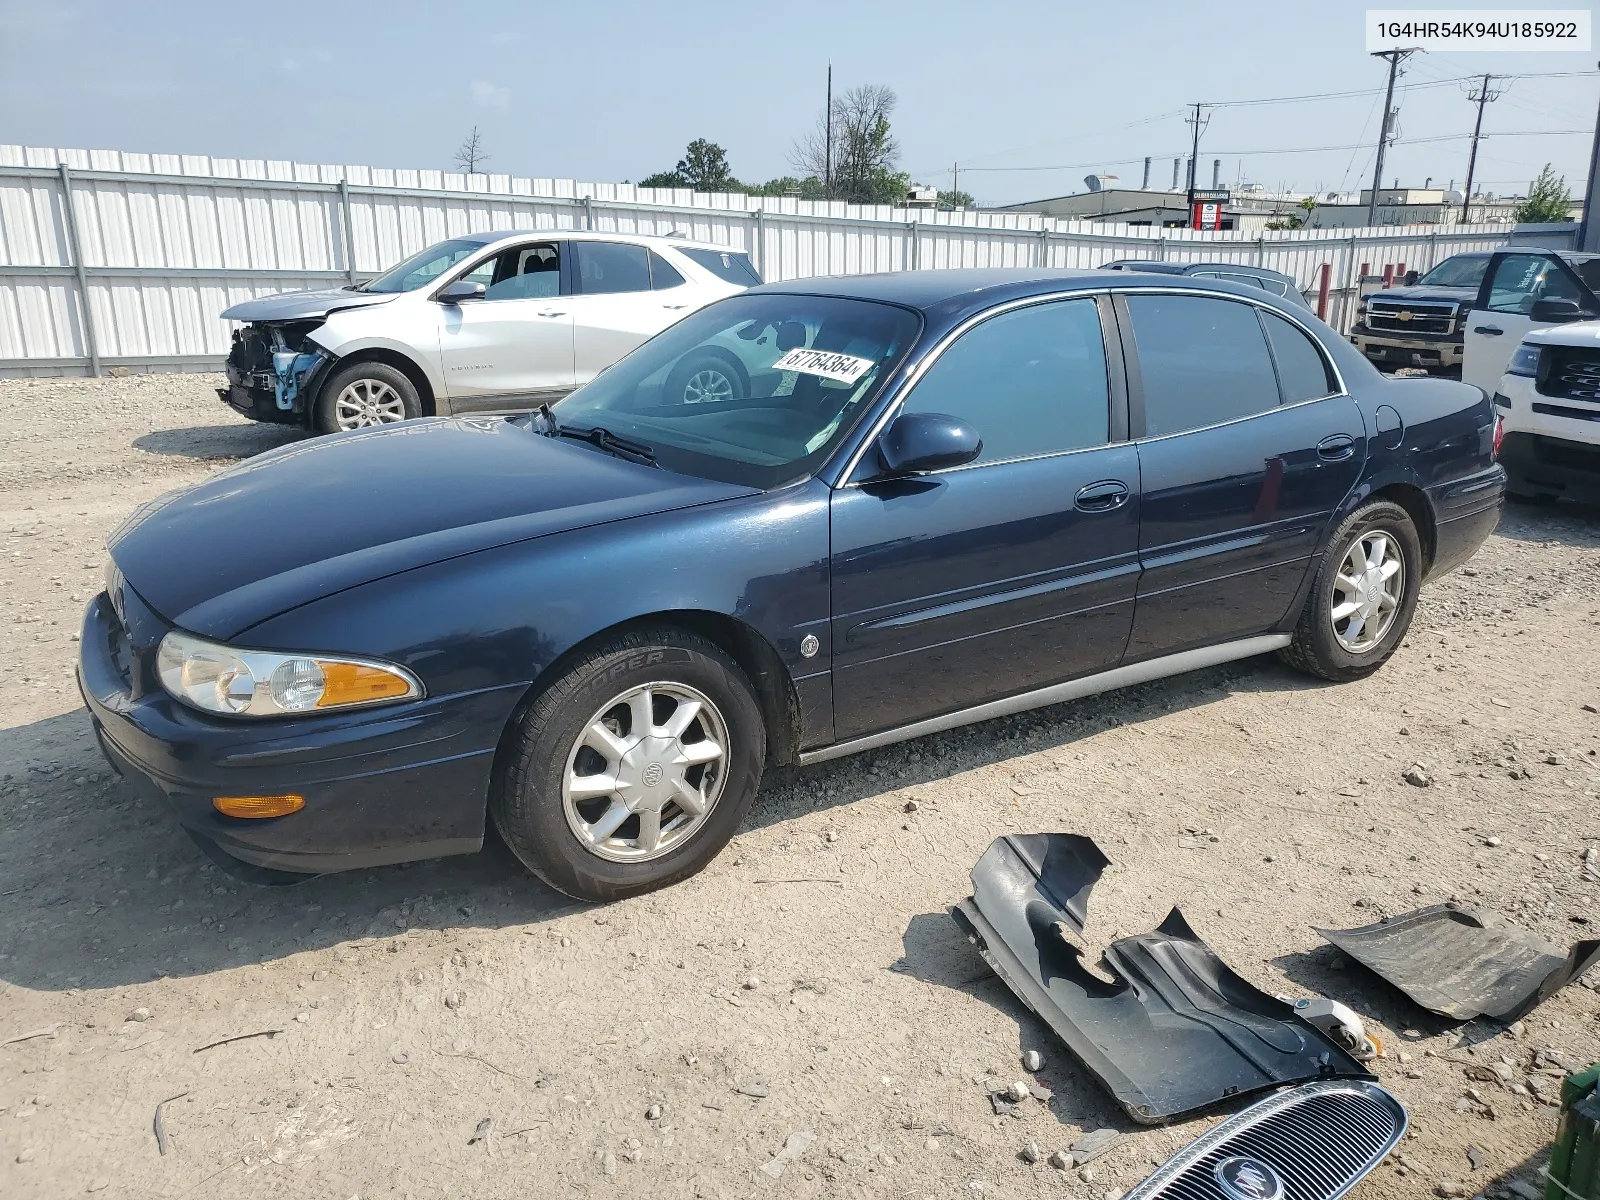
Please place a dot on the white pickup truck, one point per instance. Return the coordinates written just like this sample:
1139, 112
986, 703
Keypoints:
1533, 343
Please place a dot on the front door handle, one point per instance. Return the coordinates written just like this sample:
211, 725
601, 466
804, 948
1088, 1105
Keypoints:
552, 314
1102, 496
674, 306
1491, 330
1340, 445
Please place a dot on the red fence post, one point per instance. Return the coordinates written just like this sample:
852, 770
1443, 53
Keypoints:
1388, 275
1400, 271
1325, 273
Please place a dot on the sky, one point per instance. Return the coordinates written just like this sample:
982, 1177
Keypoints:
613, 90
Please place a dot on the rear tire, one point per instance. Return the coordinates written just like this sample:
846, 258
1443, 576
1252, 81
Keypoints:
366, 394
1356, 618
598, 788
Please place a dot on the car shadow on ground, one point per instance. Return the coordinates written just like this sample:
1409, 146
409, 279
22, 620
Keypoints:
1562, 522
789, 792
100, 888
208, 442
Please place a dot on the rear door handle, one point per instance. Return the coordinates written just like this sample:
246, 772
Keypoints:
674, 306
1102, 496
1491, 330
552, 314
1340, 445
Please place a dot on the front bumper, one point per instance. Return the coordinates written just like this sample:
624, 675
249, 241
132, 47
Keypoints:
381, 785
1388, 349
1541, 465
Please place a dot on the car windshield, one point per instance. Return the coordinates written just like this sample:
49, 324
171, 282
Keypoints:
423, 268
1457, 271
753, 390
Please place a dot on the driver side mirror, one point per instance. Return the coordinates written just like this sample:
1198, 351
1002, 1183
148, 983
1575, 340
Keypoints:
1556, 312
1411, 278
919, 442
461, 289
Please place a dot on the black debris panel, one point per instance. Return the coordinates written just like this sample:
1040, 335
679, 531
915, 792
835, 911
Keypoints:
1464, 964
1169, 1029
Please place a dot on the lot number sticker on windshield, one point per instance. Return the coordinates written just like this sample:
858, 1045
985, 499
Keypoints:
844, 368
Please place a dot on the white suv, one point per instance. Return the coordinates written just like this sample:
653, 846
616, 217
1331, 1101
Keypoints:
1549, 403
486, 322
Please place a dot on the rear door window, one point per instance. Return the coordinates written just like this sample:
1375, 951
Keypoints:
1302, 371
1031, 382
608, 267
1201, 361
663, 274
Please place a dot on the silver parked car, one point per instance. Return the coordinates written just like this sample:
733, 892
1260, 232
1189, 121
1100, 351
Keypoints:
487, 322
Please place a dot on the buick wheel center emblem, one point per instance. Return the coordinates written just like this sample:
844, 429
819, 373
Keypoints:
1248, 1179
652, 775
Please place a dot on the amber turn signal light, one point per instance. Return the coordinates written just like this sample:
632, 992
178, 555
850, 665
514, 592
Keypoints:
258, 806
354, 683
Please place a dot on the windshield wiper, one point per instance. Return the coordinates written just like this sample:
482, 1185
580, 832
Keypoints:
603, 439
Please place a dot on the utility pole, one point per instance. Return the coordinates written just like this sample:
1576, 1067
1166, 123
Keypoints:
955, 182
1481, 97
1395, 57
827, 140
1194, 153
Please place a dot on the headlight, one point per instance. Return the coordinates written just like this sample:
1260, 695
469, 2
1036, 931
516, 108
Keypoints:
1525, 361
258, 683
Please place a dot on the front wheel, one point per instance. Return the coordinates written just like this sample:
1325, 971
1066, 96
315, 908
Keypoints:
633, 768
703, 379
1363, 597
365, 394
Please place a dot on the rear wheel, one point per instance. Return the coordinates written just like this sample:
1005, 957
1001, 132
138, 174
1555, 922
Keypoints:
1363, 597
633, 768
365, 394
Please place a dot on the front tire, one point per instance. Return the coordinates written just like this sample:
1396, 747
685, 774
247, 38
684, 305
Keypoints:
1362, 598
703, 379
365, 394
633, 768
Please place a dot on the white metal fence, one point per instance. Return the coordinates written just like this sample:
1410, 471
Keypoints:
113, 259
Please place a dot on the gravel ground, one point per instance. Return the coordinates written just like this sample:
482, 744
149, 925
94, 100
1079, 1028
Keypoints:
454, 1029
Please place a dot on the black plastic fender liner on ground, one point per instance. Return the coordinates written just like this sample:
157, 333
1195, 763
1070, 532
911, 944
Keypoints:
1464, 964
1313, 1142
1173, 1030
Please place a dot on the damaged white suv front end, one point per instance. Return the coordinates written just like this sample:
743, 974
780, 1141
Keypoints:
486, 322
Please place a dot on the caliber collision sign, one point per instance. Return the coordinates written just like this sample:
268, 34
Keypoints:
1207, 215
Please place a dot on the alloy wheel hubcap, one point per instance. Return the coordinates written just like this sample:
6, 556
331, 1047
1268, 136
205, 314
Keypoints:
367, 402
1367, 591
706, 386
645, 772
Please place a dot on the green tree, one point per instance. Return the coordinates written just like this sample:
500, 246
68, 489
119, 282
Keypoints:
1548, 200
864, 153
704, 167
957, 199
664, 179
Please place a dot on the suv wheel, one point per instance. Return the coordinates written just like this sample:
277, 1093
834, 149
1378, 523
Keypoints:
1363, 597
633, 768
365, 394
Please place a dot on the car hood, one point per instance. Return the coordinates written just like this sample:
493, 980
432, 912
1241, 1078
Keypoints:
317, 517
1420, 293
298, 306
1573, 333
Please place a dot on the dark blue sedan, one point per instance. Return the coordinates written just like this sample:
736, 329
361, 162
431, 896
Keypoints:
926, 499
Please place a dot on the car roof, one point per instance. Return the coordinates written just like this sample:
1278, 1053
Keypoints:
584, 235
970, 290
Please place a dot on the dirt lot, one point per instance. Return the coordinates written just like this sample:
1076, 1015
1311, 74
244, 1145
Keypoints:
453, 1029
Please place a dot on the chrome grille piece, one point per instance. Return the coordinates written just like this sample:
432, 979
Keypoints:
1396, 316
1313, 1142
1576, 378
